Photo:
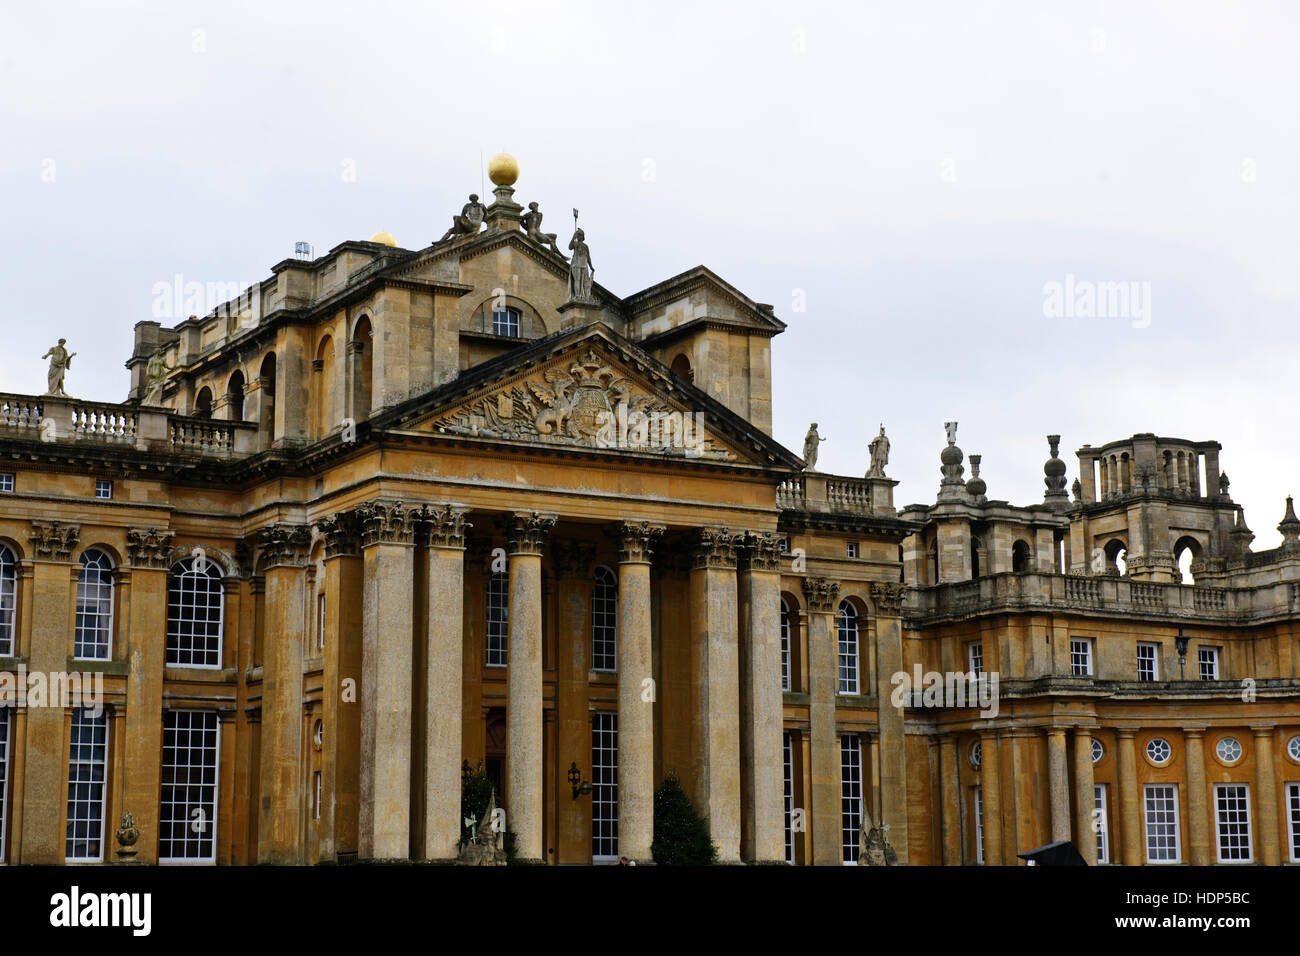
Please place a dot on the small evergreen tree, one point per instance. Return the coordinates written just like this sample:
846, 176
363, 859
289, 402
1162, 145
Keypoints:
681, 836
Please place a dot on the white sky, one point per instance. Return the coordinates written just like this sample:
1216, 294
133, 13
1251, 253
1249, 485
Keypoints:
916, 171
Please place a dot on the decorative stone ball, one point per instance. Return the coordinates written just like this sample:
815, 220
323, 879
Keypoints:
1054, 468
951, 455
976, 487
384, 238
503, 169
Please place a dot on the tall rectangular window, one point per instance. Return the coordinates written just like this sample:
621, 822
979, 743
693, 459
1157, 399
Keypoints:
850, 796
1080, 657
1208, 658
1100, 823
846, 626
1232, 814
4, 776
1162, 823
87, 763
851, 550
8, 600
604, 786
187, 814
320, 623
979, 826
787, 767
1148, 668
1292, 812
316, 794
785, 645
604, 621
498, 619
975, 657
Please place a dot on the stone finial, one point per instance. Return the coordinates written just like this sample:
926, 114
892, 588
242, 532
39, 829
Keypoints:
976, 486
1241, 535
1290, 528
1224, 484
1054, 471
127, 836
951, 486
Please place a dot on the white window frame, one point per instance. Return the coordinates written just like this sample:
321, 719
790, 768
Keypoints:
1151, 657
1148, 791
1293, 819
975, 657
787, 788
1099, 802
848, 641
88, 805
1223, 825
497, 620
850, 798
512, 321
979, 825
93, 629
604, 621
786, 645
179, 613
604, 786
5, 721
1081, 648
6, 482
103, 489
316, 794
214, 788
8, 600
320, 623
851, 549
1207, 655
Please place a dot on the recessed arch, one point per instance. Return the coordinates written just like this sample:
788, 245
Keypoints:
203, 403
681, 367
235, 396
361, 368
1116, 551
1187, 554
1021, 561
266, 417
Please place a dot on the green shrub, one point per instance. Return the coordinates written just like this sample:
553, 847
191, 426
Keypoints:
681, 836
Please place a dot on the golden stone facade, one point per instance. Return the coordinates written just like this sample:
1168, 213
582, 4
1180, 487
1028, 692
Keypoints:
395, 512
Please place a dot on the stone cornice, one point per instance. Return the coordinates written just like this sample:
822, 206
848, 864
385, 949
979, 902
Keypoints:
54, 540
637, 541
149, 547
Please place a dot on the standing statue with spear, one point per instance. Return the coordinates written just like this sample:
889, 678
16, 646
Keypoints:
581, 270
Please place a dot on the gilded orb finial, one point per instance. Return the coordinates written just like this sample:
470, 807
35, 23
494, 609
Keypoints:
503, 169
385, 238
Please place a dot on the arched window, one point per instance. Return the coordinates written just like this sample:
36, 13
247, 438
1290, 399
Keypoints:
498, 619
93, 637
1186, 551
235, 397
1020, 557
266, 417
195, 608
203, 403
8, 601
604, 622
505, 321
846, 625
361, 368
785, 645
1115, 555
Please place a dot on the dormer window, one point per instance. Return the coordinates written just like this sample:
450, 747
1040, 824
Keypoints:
505, 322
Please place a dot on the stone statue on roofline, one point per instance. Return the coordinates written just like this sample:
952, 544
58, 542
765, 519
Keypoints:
60, 361
879, 448
811, 445
469, 221
155, 376
532, 223
581, 272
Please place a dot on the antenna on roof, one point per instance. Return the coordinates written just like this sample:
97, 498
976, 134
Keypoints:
482, 186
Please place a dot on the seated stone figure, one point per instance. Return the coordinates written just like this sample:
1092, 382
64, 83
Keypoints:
469, 221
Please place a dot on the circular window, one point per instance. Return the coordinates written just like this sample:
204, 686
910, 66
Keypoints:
1098, 751
1158, 750
318, 734
1293, 748
976, 754
1228, 749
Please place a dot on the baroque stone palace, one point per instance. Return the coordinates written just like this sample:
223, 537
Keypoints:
391, 514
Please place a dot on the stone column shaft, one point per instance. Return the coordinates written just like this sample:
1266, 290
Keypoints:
1267, 833
1129, 799
762, 773
950, 805
1198, 811
991, 798
1085, 796
1058, 784
888, 599
823, 683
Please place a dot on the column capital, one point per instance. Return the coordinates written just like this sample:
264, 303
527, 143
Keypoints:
342, 534
1125, 733
443, 526
822, 594
1195, 731
714, 548
1262, 730
54, 540
761, 551
149, 547
284, 545
386, 521
888, 598
573, 559
637, 541
525, 531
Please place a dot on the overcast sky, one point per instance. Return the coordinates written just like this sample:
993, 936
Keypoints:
901, 180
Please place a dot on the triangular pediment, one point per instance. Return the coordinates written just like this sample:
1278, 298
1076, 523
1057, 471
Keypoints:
590, 390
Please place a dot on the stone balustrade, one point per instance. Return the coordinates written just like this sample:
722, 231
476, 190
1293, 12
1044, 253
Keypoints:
837, 494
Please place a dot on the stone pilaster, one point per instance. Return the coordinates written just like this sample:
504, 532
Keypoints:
991, 797
1130, 800
1197, 797
45, 775
636, 744
1084, 796
388, 544
821, 598
574, 562
1267, 832
950, 800
888, 598
283, 558
525, 533
714, 642
1058, 784
443, 533
762, 816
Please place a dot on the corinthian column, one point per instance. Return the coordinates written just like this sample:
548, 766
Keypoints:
888, 598
443, 533
388, 542
762, 773
821, 597
525, 532
713, 639
635, 704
